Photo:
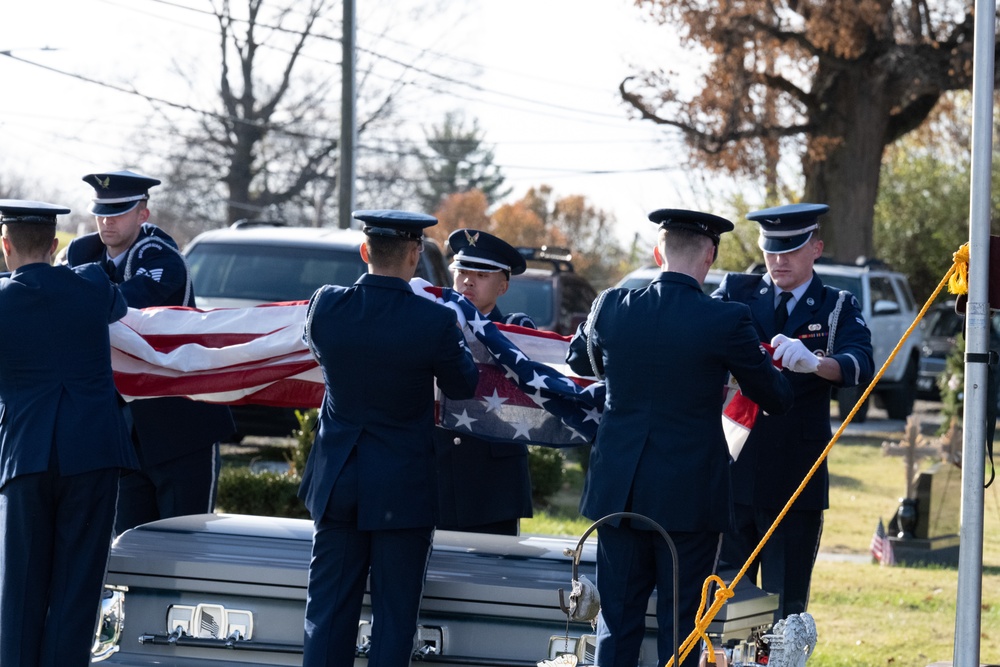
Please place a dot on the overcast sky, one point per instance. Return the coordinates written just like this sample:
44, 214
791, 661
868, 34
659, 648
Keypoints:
540, 76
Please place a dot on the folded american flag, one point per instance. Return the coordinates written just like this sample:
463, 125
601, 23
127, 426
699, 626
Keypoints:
526, 392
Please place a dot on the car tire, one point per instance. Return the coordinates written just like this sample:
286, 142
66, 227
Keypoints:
846, 399
899, 401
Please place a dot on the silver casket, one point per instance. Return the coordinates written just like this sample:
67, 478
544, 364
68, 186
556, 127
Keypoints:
231, 589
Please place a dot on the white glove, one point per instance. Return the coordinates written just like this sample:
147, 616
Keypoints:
419, 285
794, 355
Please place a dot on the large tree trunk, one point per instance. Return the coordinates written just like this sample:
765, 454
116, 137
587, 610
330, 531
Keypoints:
240, 177
847, 179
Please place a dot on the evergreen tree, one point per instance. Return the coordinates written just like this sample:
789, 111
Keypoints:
456, 161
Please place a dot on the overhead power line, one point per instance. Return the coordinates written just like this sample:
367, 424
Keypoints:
159, 100
407, 66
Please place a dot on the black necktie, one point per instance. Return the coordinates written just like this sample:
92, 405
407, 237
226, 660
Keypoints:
111, 268
781, 311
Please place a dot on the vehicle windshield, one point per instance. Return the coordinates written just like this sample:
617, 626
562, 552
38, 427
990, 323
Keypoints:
947, 324
852, 285
533, 297
270, 273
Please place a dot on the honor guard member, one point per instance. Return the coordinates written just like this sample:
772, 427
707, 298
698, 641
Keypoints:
822, 340
666, 352
484, 486
369, 483
176, 439
62, 443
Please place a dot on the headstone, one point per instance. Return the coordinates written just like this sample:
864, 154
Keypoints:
938, 496
939, 501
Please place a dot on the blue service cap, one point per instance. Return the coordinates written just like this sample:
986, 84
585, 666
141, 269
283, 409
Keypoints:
479, 251
394, 224
787, 228
23, 210
705, 224
118, 192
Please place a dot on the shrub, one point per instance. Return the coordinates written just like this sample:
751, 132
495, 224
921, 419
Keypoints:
274, 494
265, 493
304, 436
546, 467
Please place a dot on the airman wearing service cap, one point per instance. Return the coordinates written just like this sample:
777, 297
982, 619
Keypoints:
484, 487
665, 351
177, 439
369, 483
822, 341
64, 442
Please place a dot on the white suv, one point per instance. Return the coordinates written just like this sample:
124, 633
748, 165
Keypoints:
889, 309
254, 262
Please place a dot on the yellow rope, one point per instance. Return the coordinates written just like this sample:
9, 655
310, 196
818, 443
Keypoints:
957, 280
959, 283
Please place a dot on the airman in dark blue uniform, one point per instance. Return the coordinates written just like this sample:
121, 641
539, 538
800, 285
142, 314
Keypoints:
62, 443
369, 483
485, 487
176, 439
666, 352
822, 340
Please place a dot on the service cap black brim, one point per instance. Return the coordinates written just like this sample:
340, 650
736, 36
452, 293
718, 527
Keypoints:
118, 192
787, 228
112, 210
391, 223
484, 253
698, 222
778, 245
18, 211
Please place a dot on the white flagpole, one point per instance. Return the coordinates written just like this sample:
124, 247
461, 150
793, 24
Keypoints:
968, 619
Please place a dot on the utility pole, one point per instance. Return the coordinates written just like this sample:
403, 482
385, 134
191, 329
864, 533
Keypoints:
348, 120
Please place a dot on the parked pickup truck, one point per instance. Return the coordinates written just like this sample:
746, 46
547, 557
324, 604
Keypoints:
225, 590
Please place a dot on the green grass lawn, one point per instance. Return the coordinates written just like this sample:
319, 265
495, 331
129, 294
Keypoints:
865, 614
899, 616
